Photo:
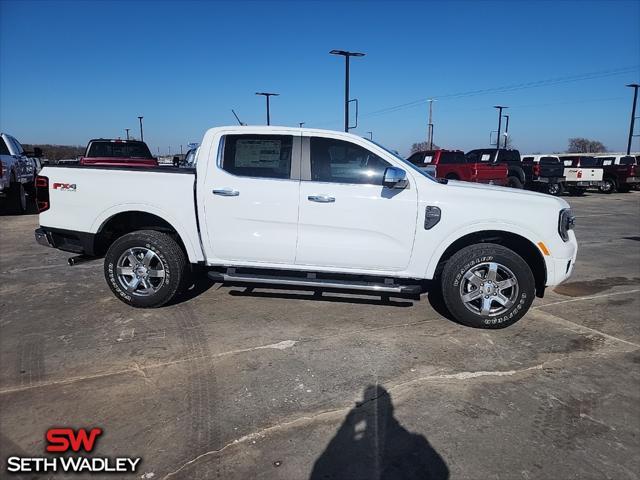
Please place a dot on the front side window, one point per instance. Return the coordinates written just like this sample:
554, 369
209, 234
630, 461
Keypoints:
3, 147
451, 158
338, 161
262, 156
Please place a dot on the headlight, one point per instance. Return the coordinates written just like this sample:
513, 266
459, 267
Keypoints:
566, 222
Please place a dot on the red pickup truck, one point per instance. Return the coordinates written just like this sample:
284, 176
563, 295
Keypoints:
452, 165
118, 153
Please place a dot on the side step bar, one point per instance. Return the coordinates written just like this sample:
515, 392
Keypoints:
310, 281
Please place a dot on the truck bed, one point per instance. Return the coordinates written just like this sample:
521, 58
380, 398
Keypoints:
77, 192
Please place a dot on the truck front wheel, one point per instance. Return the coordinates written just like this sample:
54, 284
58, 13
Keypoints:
146, 268
514, 182
487, 286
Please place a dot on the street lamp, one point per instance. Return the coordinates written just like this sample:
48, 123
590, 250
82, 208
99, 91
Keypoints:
301, 124
430, 124
500, 108
141, 135
506, 130
267, 95
633, 114
370, 135
347, 55
127, 129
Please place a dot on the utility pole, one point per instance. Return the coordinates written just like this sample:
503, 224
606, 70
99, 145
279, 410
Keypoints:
506, 130
370, 135
301, 124
430, 125
633, 115
347, 55
127, 133
267, 95
141, 135
180, 149
500, 108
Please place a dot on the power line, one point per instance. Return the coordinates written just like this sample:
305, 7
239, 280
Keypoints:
509, 88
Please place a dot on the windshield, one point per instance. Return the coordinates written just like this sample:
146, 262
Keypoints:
119, 150
404, 161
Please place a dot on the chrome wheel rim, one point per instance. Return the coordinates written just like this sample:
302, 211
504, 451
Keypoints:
489, 289
140, 271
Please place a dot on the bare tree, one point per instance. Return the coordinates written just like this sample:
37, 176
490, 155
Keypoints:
422, 146
584, 145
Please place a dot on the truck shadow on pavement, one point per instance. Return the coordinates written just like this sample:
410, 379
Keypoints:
371, 444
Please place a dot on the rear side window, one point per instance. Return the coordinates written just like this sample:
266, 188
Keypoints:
338, 161
4, 150
420, 159
118, 150
261, 156
628, 160
451, 157
589, 162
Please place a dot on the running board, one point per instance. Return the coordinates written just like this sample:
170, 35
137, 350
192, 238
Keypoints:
310, 281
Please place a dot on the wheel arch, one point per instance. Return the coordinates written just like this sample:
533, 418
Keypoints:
115, 224
510, 239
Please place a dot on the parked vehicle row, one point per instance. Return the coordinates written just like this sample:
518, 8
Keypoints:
309, 208
619, 172
17, 173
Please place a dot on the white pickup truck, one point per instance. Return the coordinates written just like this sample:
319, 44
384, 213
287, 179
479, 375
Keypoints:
310, 208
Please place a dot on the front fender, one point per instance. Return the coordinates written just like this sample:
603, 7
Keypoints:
484, 227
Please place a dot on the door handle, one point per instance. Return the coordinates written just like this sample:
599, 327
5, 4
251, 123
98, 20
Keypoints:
321, 198
226, 192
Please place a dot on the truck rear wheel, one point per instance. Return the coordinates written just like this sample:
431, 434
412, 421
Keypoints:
514, 182
145, 269
17, 198
487, 286
554, 189
607, 186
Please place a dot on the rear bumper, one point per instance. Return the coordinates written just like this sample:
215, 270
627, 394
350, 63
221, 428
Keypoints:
67, 240
584, 183
549, 179
633, 180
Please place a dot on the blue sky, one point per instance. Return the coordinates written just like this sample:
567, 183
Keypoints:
71, 71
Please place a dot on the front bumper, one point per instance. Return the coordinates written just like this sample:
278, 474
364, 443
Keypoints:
562, 260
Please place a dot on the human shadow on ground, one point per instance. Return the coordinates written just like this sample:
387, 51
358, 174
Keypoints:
372, 445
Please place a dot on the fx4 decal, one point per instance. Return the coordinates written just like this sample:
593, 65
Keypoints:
65, 187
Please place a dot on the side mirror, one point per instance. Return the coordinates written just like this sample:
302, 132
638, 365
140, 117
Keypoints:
395, 178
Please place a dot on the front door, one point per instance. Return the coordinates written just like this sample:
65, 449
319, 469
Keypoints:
251, 199
348, 220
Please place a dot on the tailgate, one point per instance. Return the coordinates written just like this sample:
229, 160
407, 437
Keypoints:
583, 174
486, 171
551, 167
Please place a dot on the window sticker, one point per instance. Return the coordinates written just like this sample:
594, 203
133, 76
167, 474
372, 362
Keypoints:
606, 162
485, 157
427, 159
258, 153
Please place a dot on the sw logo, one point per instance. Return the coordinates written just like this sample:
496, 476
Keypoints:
67, 440
65, 187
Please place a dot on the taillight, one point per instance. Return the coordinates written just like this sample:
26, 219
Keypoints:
536, 169
633, 170
42, 193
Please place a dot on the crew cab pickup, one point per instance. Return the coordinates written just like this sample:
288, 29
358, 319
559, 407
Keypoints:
17, 173
313, 209
581, 172
121, 153
546, 172
453, 165
620, 173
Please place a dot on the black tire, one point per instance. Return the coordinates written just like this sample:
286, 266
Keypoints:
166, 257
17, 198
514, 182
576, 191
607, 186
509, 265
554, 189
452, 176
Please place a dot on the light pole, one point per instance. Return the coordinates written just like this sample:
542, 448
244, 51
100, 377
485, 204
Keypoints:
370, 135
633, 114
500, 108
301, 124
127, 133
267, 95
506, 130
347, 55
430, 124
141, 135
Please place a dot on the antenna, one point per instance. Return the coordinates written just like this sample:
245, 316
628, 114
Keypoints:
234, 114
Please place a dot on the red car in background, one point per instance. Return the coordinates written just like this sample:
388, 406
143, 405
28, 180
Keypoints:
452, 165
118, 153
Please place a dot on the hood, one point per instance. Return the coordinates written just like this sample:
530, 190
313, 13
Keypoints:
505, 194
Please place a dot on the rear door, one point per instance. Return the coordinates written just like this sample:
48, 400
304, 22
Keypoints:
348, 220
251, 199
484, 170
